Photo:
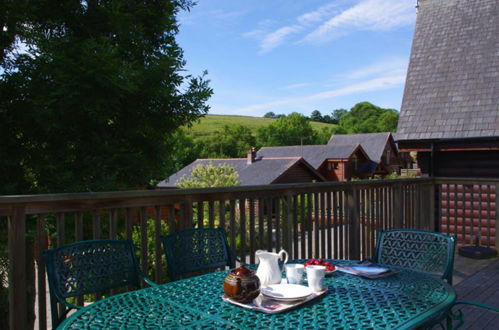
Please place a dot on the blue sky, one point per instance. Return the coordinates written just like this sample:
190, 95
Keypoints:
299, 55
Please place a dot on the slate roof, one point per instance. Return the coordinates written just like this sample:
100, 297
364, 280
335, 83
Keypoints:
373, 143
315, 155
452, 86
260, 172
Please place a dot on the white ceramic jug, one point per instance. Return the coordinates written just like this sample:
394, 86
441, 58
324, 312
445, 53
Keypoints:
268, 270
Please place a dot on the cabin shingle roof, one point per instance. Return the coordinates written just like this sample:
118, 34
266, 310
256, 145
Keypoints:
452, 86
373, 143
260, 172
315, 155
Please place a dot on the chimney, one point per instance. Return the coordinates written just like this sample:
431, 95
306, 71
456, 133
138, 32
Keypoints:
251, 156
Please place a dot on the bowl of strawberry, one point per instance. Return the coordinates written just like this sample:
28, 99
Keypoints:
319, 262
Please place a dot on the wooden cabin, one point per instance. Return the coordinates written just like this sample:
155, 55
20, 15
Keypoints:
334, 163
450, 108
256, 171
380, 147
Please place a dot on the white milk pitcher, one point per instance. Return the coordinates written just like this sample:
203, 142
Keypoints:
268, 270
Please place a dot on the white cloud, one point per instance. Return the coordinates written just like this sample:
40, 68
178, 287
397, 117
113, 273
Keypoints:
271, 40
319, 14
294, 86
261, 30
380, 83
372, 15
333, 19
378, 76
277, 37
391, 66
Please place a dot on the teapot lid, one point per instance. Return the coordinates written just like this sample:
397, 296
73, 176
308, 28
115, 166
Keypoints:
242, 271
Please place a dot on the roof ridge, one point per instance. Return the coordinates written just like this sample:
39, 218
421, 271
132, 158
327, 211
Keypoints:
220, 159
277, 158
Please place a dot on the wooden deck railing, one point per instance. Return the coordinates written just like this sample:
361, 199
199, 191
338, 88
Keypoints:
331, 220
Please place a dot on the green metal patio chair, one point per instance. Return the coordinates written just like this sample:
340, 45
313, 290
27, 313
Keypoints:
193, 250
89, 267
424, 251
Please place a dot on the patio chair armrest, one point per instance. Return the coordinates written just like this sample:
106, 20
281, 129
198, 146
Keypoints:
458, 314
476, 304
149, 281
70, 306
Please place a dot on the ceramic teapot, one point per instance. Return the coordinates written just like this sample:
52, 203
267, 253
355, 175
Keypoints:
268, 270
242, 285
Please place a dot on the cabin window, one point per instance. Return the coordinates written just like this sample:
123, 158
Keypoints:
355, 162
332, 166
388, 157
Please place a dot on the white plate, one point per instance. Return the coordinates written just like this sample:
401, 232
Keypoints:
286, 292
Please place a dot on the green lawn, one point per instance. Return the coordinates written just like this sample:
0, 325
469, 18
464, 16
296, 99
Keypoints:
209, 124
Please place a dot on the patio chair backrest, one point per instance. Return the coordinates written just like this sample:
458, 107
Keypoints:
424, 251
193, 250
91, 266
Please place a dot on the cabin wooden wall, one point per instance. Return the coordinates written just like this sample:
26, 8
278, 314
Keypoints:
297, 173
332, 174
350, 170
471, 164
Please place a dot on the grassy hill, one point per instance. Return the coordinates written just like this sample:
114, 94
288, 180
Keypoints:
209, 124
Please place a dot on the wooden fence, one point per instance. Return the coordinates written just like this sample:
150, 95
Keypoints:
331, 220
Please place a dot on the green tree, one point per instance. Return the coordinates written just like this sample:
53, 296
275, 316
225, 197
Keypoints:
337, 114
231, 142
365, 117
338, 130
388, 121
185, 150
269, 114
205, 176
328, 119
96, 97
324, 135
293, 129
316, 116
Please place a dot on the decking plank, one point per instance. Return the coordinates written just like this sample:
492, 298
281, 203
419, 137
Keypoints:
481, 287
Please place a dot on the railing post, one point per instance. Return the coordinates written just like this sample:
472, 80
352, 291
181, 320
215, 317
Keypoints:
17, 269
287, 226
397, 206
434, 207
354, 225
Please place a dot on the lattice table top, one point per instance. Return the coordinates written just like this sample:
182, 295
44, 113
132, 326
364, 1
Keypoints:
404, 300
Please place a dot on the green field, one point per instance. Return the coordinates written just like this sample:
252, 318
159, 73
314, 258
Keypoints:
209, 124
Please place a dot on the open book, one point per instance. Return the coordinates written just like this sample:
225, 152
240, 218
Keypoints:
367, 269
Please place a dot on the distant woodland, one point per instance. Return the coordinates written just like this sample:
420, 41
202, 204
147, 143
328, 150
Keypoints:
240, 134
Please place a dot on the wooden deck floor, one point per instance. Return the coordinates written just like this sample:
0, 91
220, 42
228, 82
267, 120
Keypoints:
478, 281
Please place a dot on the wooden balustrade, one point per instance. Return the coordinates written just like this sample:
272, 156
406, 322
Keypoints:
332, 220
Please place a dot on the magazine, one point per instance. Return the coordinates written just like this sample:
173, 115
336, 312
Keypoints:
367, 269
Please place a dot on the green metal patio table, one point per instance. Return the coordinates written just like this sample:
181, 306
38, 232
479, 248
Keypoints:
407, 299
